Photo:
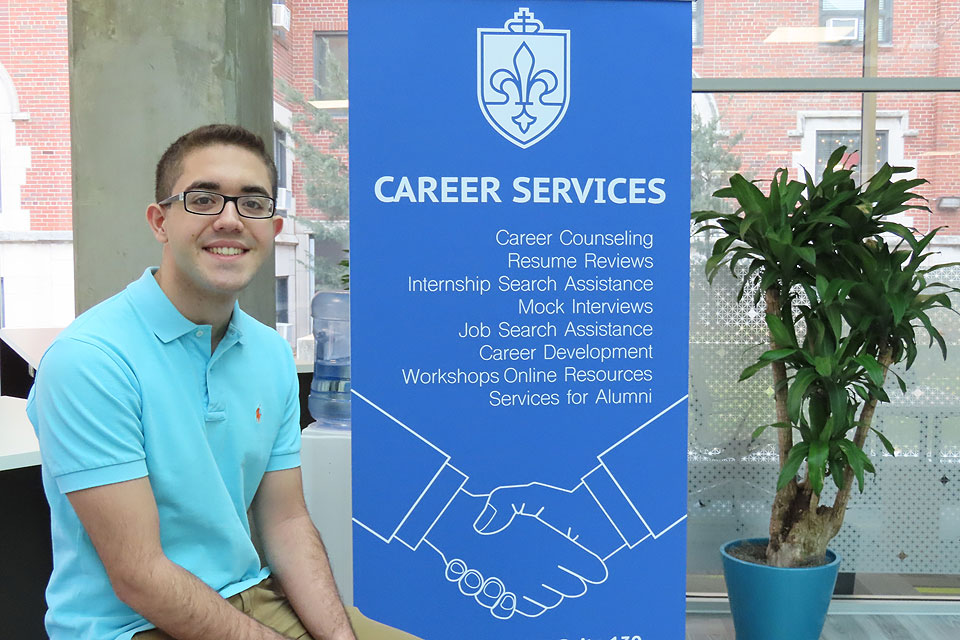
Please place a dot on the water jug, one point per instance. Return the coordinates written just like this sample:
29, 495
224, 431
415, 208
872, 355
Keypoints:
329, 401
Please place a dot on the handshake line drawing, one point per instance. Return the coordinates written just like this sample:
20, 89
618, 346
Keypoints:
521, 549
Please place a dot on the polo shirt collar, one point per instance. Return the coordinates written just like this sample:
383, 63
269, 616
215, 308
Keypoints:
164, 319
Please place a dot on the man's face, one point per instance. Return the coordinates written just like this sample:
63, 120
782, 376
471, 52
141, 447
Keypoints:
214, 256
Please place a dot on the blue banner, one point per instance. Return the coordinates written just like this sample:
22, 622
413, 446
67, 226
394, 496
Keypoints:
519, 271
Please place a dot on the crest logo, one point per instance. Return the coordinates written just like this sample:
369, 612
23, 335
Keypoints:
523, 78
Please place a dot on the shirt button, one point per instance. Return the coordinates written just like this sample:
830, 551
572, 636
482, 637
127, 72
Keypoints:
199, 333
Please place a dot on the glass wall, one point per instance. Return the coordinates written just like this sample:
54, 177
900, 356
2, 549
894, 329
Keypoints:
310, 111
902, 535
36, 256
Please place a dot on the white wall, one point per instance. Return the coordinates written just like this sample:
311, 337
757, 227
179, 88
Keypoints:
37, 279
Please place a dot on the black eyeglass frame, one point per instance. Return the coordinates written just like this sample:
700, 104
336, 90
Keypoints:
182, 197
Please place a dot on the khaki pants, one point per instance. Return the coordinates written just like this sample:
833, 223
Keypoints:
264, 603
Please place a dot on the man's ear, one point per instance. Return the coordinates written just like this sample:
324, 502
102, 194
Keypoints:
156, 218
277, 225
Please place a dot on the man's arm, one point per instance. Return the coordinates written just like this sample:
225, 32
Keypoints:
297, 557
121, 520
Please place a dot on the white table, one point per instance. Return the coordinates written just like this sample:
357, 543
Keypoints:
30, 344
18, 444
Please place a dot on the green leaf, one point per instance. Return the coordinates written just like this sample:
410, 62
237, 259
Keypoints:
835, 159
933, 333
824, 365
823, 286
902, 232
721, 245
781, 336
776, 425
797, 390
836, 321
839, 289
795, 458
886, 443
838, 401
872, 367
879, 180
856, 458
752, 369
808, 254
816, 463
751, 199
899, 306
776, 354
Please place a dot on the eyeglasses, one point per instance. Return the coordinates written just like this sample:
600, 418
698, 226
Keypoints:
208, 203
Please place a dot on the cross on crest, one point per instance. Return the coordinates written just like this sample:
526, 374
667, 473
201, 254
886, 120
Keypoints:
523, 77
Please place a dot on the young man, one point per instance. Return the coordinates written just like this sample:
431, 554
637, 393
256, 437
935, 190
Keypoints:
166, 414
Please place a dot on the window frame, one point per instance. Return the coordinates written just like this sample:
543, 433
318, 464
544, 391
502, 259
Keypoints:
867, 116
282, 285
883, 146
320, 54
697, 7
885, 20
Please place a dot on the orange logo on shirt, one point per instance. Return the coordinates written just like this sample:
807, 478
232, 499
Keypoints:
259, 415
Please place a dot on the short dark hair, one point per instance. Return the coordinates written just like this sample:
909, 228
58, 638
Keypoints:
170, 166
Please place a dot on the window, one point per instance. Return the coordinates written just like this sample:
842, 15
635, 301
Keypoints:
848, 14
283, 300
697, 22
280, 159
330, 65
827, 141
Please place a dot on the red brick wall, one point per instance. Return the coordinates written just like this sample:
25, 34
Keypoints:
295, 53
924, 43
33, 50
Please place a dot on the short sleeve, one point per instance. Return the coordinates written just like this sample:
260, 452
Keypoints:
286, 447
86, 409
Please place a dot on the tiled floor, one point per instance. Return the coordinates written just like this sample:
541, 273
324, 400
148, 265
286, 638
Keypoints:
703, 626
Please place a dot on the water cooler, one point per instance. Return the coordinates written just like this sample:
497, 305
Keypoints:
325, 456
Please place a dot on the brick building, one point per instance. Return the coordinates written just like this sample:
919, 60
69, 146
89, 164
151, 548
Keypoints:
36, 260
731, 38
309, 49
823, 38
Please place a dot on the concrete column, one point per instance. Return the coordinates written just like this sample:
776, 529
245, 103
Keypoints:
142, 74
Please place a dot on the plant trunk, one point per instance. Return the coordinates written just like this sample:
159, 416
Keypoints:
785, 503
800, 527
784, 435
860, 436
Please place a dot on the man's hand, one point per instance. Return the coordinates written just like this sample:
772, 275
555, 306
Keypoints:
526, 569
121, 521
575, 512
296, 555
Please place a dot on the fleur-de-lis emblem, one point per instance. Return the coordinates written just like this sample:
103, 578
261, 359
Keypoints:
524, 80
259, 415
523, 77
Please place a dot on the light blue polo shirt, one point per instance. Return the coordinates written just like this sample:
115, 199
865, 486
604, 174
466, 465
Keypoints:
129, 390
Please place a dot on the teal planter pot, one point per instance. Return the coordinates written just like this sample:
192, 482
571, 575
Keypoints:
771, 602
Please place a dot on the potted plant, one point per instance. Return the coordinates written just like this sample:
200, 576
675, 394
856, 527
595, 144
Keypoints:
846, 289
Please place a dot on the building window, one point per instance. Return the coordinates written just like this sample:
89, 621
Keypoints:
697, 22
280, 156
330, 65
280, 159
848, 15
283, 299
827, 141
